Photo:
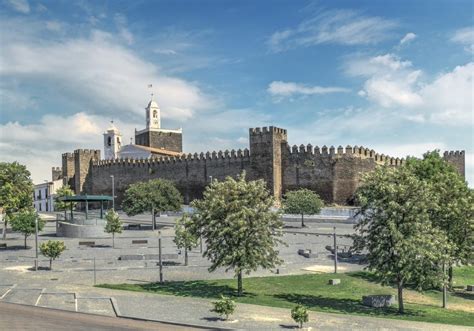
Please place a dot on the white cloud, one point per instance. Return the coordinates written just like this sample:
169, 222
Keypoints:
465, 37
122, 27
54, 26
287, 89
448, 99
39, 146
393, 83
21, 6
409, 37
343, 27
98, 74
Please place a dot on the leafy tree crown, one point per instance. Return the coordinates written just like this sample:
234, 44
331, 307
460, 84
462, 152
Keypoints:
156, 195
302, 201
240, 229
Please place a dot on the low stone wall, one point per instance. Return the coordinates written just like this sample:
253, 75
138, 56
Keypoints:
69, 230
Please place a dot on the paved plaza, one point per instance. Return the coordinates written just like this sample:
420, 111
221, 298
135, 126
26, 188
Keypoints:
69, 286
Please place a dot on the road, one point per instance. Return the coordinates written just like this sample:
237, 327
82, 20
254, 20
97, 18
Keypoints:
19, 317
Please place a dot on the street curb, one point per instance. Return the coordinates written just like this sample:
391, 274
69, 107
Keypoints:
117, 312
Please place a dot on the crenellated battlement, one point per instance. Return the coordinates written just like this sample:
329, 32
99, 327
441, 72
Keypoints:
454, 153
332, 151
265, 129
190, 157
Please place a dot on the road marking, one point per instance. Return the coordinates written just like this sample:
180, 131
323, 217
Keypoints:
39, 297
11, 288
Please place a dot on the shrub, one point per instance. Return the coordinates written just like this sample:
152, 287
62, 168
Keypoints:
224, 307
299, 314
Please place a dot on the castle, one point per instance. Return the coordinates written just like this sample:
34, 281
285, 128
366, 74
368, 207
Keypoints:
333, 173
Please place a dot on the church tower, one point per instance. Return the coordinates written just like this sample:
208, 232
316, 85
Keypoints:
153, 116
153, 136
112, 142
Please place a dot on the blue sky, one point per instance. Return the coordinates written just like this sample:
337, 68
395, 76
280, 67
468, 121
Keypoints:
394, 76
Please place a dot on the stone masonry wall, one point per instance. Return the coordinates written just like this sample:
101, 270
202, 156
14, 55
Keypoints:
333, 173
68, 167
171, 141
190, 173
82, 165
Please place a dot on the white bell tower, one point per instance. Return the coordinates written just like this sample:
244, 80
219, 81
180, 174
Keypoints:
153, 116
112, 142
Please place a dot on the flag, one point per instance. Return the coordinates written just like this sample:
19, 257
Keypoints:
150, 85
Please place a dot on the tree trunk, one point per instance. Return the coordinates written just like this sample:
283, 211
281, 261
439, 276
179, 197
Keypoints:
65, 214
450, 276
153, 219
50, 264
25, 240
185, 256
5, 223
401, 309
301, 324
239, 284
302, 221
113, 240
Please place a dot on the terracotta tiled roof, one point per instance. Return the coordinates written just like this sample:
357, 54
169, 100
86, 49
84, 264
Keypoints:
159, 151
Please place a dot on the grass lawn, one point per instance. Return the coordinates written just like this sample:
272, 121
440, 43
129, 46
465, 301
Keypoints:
313, 291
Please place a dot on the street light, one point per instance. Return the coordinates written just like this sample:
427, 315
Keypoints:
113, 192
36, 243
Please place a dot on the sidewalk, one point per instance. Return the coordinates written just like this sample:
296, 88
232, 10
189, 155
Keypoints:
196, 311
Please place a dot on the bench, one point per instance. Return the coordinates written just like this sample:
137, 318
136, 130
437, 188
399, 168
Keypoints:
3, 245
87, 243
469, 288
335, 281
144, 241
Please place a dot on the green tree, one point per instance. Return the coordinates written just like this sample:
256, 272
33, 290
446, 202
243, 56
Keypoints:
453, 212
302, 202
154, 196
113, 224
403, 247
224, 307
52, 249
184, 237
299, 314
24, 221
16, 190
59, 205
238, 225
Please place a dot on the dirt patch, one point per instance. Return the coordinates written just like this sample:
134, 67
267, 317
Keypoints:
19, 268
324, 268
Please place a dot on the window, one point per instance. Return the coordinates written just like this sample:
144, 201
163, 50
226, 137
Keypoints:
46, 205
46, 192
109, 141
155, 114
39, 194
40, 207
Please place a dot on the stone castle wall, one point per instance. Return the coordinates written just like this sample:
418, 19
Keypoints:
333, 173
172, 141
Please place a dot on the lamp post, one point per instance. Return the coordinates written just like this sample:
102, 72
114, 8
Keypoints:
36, 244
113, 192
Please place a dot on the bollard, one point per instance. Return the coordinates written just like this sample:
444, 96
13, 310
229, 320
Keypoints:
160, 261
335, 251
94, 273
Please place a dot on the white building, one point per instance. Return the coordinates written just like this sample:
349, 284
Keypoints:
112, 142
44, 194
113, 148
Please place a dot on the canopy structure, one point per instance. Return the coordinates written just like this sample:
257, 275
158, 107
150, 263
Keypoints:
87, 199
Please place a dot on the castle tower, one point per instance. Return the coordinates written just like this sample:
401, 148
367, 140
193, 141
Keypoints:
266, 156
112, 142
153, 116
154, 136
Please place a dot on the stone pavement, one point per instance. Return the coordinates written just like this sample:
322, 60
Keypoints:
193, 311
69, 286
